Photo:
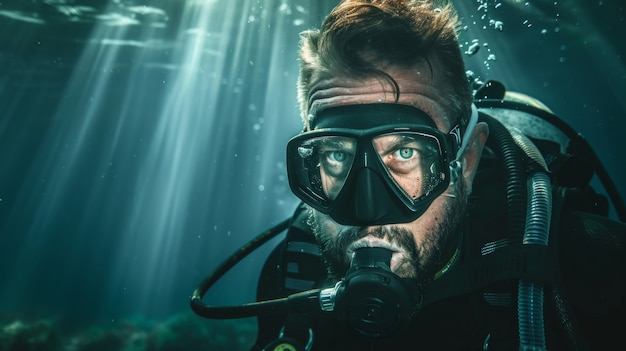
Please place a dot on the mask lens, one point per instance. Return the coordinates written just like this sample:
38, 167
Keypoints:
325, 163
413, 161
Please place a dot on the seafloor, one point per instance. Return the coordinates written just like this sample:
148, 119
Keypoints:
179, 333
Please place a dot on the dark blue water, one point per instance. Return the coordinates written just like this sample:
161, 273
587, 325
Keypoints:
142, 142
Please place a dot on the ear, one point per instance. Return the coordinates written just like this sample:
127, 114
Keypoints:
473, 151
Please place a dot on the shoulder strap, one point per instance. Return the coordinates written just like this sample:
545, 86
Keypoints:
294, 265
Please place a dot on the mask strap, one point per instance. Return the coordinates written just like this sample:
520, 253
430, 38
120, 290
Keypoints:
468, 131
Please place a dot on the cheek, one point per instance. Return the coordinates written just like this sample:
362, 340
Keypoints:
412, 185
425, 226
326, 227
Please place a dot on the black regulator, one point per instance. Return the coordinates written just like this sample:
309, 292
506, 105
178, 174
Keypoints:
370, 299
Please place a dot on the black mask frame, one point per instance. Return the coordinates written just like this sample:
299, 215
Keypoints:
370, 196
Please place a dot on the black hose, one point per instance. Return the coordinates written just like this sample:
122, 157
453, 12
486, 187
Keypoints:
247, 310
514, 163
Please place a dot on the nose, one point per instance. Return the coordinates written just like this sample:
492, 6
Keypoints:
371, 201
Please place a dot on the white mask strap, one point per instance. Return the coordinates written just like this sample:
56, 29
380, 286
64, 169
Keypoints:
468, 131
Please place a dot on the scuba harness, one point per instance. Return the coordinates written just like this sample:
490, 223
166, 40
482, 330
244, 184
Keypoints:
376, 303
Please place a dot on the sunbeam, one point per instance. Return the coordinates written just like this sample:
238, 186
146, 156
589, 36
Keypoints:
143, 170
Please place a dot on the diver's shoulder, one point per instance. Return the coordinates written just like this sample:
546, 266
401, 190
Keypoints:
592, 243
592, 262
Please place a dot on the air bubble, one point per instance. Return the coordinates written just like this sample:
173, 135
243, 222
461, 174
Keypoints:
285, 9
472, 49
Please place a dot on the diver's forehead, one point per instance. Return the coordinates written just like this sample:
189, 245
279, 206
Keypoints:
415, 91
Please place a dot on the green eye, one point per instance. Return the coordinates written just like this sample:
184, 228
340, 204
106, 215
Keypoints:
337, 156
406, 153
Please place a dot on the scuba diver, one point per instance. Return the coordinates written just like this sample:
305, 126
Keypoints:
436, 213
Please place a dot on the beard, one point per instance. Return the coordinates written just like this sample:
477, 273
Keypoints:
420, 263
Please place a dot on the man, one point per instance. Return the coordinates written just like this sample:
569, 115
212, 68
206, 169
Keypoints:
366, 55
388, 157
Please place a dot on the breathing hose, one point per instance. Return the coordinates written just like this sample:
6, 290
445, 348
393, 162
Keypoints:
529, 205
530, 295
299, 301
514, 164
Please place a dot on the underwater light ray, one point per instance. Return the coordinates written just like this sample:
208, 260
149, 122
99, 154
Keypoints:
239, 99
183, 129
54, 167
68, 176
280, 118
273, 119
232, 100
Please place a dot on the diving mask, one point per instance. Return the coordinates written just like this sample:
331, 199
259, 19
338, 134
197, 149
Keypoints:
372, 164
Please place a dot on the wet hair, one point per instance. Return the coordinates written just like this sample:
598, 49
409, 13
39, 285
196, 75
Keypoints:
360, 38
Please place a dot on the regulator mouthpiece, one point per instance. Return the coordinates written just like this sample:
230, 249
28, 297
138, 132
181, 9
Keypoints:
371, 299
